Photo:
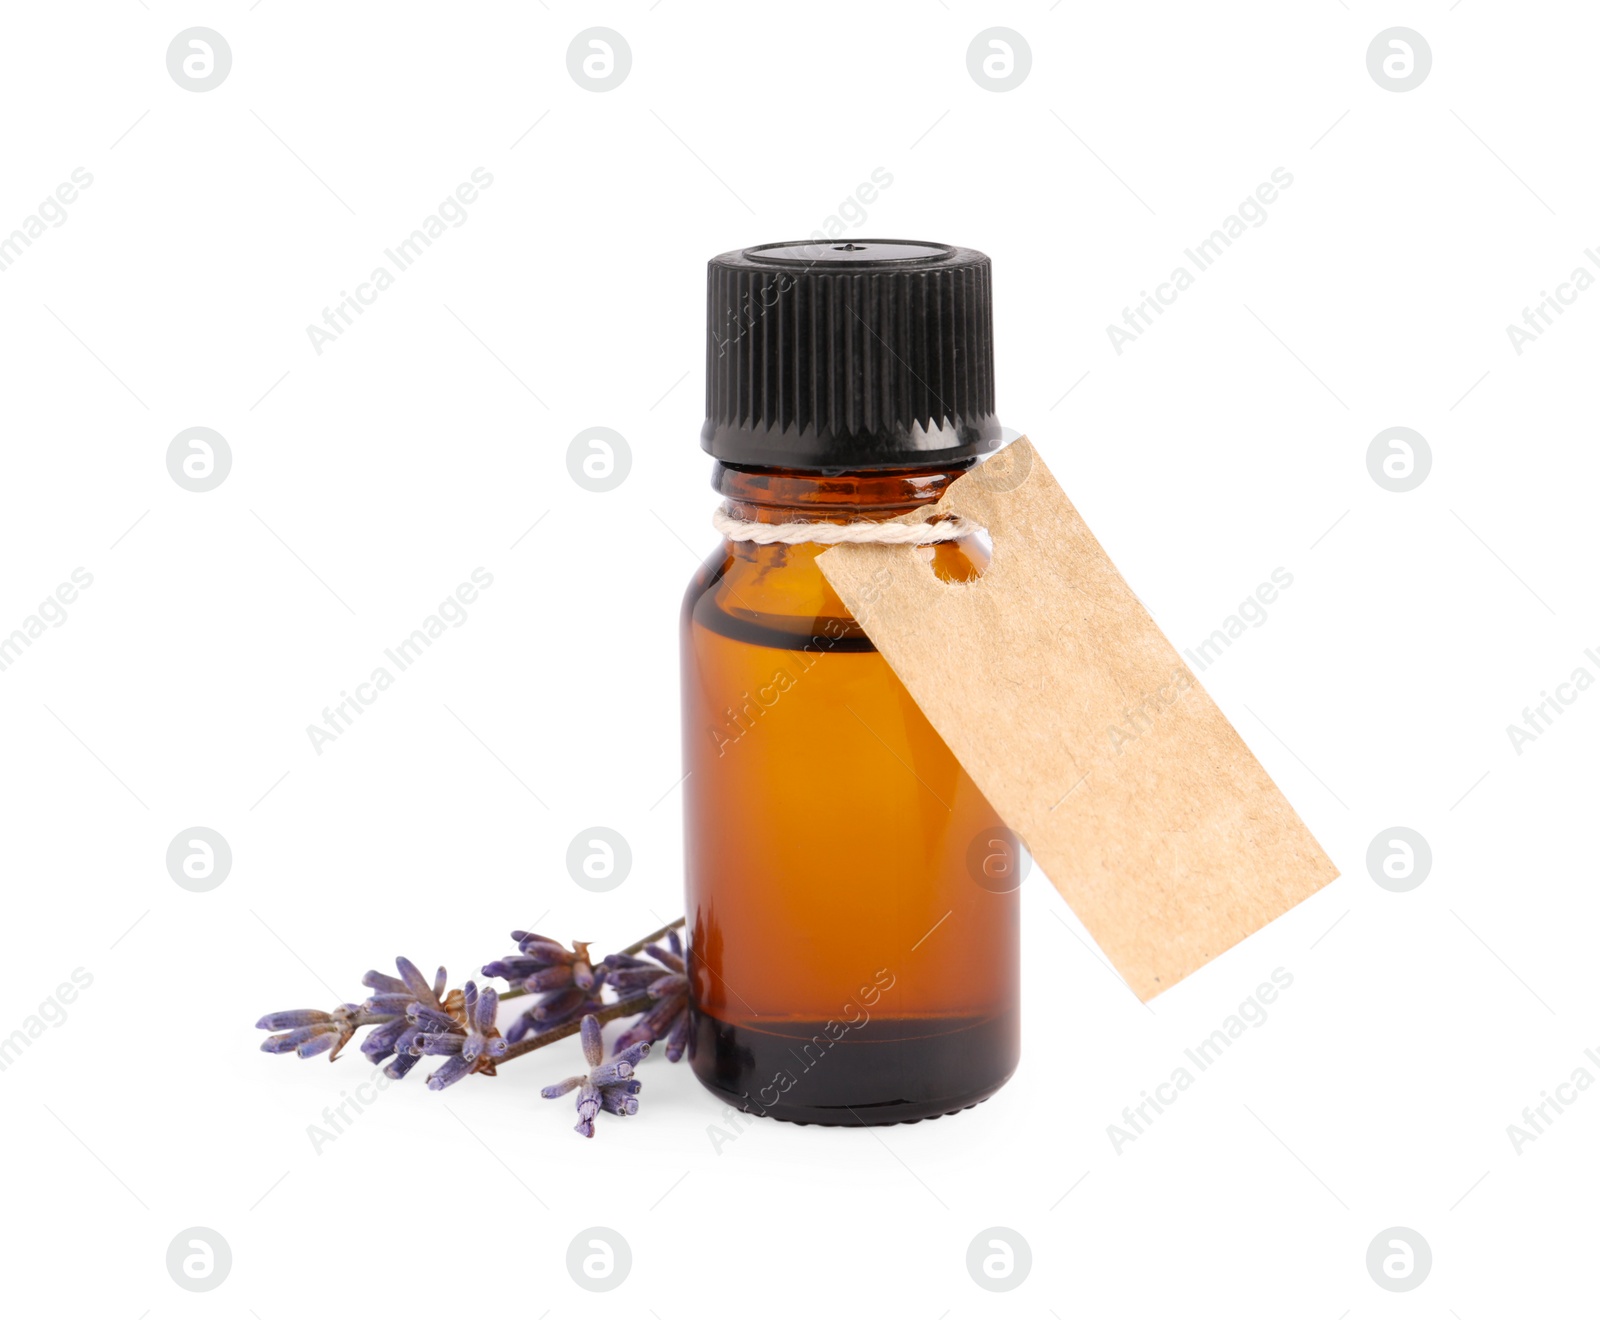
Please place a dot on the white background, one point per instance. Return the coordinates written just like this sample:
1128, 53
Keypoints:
369, 480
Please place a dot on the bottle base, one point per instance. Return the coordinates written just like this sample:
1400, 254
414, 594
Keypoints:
828, 1118
882, 1071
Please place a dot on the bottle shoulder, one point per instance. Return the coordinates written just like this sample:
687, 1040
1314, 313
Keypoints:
743, 587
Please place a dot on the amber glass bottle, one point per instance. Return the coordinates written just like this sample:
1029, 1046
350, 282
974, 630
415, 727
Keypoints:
852, 957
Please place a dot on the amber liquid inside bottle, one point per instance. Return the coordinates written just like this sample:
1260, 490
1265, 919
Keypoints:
851, 958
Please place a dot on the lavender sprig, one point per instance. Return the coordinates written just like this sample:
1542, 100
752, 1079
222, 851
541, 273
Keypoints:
411, 1017
608, 1086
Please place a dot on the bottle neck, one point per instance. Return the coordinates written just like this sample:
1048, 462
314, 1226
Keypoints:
779, 495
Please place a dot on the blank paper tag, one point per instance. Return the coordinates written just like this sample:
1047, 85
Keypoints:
1084, 729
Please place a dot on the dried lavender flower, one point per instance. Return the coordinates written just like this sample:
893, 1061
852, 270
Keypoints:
390, 1009
567, 983
608, 1086
472, 1042
309, 1031
668, 1018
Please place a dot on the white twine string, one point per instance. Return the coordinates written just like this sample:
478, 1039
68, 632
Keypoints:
851, 533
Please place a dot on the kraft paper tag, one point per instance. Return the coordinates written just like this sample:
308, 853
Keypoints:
1084, 728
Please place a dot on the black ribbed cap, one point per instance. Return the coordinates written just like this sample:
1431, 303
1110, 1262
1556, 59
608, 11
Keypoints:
865, 354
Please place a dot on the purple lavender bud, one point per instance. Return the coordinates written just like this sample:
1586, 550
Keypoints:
558, 1089
665, 957
614, 1102
479, 1046
379, 1043
389, 1004
429, 1019
668, 1018
678, 1038
634, 1035
548, 952
297, 1017
608, 1073
414, 980
590, 1035
512, 969
290, 1041
316, 1045
588, 1101
450, 1072
549, 978
558, 1006
311, 1032
400, 1065
632, 1054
